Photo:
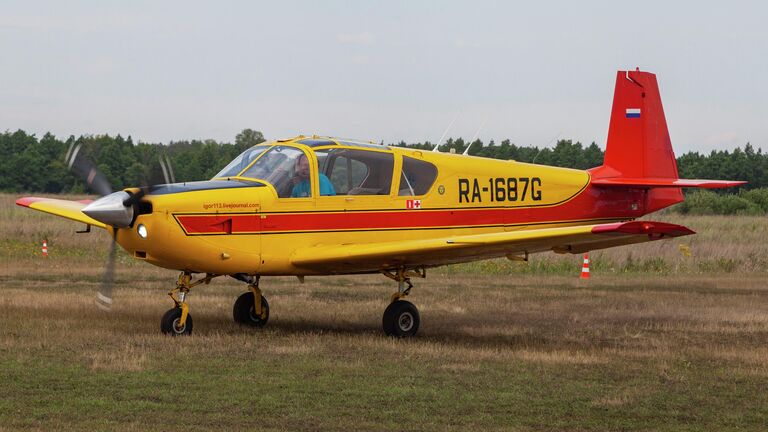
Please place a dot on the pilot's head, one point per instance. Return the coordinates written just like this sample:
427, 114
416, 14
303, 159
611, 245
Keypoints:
302, 166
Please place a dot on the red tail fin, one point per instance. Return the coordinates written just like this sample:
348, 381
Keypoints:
638, 142
638, 145
638, 152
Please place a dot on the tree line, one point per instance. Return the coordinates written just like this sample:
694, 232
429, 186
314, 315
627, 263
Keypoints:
31, 164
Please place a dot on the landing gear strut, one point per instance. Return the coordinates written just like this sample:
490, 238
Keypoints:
251, 308
401, 317
177, 321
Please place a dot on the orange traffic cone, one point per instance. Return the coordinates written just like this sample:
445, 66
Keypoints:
585, 267
45, 248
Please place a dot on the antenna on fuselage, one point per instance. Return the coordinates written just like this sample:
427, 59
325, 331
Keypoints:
440, 141
466, 150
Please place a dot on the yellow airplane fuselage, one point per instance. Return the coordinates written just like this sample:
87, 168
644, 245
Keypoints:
253, 231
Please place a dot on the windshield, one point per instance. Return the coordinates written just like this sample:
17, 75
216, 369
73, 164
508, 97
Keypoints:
278, 167
241, 162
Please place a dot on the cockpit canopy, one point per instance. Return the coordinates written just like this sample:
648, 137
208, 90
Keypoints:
343, 167
242, 161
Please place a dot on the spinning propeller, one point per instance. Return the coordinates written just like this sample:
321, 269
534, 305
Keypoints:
115, 209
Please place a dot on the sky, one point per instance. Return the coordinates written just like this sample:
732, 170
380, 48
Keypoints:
531, 72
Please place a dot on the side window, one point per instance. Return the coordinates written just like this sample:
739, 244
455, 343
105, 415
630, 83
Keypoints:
347, 174
417, 177
357, 172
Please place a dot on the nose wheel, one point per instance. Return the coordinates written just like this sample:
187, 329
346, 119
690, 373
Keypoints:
171, 323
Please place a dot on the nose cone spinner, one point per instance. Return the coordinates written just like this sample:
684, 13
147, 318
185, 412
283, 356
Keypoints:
111, 210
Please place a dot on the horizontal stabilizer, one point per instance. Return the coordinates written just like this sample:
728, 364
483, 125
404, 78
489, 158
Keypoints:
64, 208
649, 182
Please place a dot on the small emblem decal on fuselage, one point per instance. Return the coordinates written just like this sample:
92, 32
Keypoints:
413, 204
441, 189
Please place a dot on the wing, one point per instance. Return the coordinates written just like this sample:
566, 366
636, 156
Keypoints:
447, 250
63, 208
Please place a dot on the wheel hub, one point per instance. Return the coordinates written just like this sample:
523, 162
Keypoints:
405, 321
178, 328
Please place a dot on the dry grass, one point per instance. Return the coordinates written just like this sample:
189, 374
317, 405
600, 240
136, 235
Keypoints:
584, 356
680, 350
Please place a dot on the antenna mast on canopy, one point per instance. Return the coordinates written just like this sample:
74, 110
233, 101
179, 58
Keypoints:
445, 133
466, 150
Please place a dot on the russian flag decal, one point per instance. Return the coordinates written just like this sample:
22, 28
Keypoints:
633, 112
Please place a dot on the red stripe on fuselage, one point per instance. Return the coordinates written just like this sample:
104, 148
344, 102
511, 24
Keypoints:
592, 204
253, 223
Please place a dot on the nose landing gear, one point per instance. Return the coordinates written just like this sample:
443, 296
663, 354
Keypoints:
177, 321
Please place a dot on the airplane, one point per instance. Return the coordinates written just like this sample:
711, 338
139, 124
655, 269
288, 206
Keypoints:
313, 205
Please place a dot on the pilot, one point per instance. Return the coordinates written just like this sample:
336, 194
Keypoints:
301, 186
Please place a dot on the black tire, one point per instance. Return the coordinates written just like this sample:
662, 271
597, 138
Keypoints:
169, 323
401, 319
388, 320
244, 311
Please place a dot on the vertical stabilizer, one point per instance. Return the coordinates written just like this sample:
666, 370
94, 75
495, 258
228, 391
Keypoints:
638, 145
638, 142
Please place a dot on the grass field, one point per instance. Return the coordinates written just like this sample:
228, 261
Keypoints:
656, 340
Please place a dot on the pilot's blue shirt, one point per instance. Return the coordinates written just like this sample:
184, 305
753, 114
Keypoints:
303, 189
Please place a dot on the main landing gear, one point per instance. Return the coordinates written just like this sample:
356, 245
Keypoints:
401, 317
251, 308
177, 321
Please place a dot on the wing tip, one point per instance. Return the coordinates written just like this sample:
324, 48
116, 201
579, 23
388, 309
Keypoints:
28, 201
643, 227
